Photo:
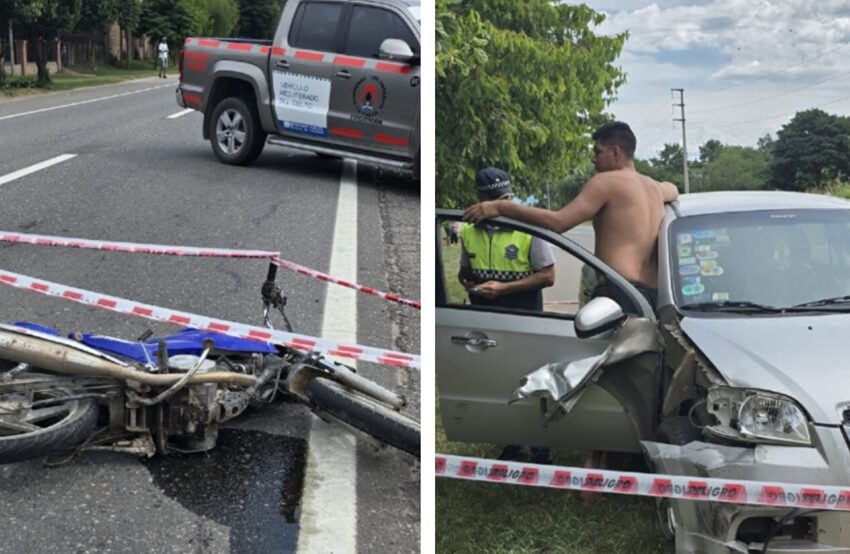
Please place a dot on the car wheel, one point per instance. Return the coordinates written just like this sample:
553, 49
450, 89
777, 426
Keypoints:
236, 135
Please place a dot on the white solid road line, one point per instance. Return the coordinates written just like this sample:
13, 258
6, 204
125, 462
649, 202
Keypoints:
180, 113
329, 502
33, 168
50, 109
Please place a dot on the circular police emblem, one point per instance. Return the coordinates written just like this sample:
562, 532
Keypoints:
511, 252
369, 95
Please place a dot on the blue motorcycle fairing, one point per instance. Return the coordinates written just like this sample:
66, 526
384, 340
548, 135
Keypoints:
185, 341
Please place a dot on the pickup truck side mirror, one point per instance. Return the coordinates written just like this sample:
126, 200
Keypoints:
397, 49
598, 316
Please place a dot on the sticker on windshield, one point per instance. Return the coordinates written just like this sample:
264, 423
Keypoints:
685, 251
709, 234
691, 280
720, 296
686, 238
722, 235
711, 271
687, 261
707, 264
689, 270
690, 290
301, 103
707, 255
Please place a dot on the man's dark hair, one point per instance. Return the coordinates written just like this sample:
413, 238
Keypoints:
617, 133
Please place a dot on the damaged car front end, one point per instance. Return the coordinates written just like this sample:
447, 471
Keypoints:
753, 315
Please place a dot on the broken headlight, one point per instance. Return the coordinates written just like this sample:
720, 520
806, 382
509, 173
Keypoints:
756, 416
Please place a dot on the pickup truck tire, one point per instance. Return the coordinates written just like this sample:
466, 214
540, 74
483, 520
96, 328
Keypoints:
365, 414
236, 136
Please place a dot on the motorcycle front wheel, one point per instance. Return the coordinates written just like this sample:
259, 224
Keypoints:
365, 414
36, 422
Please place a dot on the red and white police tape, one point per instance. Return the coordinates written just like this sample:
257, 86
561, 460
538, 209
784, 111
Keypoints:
138, 248
156, 313
645, 484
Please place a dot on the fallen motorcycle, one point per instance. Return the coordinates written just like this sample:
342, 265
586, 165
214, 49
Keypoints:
90, 392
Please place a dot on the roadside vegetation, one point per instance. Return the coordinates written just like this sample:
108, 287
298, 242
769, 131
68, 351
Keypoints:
45, 23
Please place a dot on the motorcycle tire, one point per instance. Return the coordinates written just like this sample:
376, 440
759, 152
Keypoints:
363, 413
59, 427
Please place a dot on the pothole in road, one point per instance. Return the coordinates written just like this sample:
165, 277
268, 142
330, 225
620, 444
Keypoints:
250, 482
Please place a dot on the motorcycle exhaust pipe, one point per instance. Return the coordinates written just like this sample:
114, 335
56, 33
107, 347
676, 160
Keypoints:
67, 359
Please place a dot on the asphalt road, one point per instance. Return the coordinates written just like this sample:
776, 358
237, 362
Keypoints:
140, 177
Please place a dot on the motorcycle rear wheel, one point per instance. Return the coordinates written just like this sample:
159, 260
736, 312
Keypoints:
364, 413
28, 432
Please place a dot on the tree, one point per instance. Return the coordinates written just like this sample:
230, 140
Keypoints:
223, 17
521, 86
173, 19
709, 151
128, 14
810, 150
40, 21
734, 168
258, 18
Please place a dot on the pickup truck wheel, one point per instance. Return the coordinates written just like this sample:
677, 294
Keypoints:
235, 132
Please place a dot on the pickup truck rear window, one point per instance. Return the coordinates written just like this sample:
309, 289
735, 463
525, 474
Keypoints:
315, 26
371, 26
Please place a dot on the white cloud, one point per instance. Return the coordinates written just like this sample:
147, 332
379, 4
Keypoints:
738, 61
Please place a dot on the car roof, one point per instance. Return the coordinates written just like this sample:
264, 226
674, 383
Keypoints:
745, 201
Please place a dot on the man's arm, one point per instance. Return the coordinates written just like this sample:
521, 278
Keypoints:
538, 280
587, 204
669, 191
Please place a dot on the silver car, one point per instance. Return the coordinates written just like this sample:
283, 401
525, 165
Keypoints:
742, 374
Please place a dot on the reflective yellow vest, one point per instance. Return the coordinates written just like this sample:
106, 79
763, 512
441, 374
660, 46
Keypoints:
503, 255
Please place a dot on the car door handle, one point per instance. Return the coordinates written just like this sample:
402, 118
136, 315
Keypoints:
343, 74
282, 63
474, 341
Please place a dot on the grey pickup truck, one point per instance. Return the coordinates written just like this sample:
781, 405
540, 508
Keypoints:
340, 78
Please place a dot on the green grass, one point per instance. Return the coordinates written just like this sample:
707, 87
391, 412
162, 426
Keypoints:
78, 77
475, 517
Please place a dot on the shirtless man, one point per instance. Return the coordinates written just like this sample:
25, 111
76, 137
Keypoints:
625, 206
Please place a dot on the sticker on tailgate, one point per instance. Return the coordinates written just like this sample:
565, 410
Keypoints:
301, 103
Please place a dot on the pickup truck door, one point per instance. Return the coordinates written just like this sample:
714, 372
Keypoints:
301, 66
375, 102
482, 353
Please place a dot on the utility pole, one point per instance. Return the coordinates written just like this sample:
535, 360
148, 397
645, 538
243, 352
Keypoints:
11, 48
681, 105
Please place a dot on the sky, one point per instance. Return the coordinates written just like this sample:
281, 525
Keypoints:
746, 66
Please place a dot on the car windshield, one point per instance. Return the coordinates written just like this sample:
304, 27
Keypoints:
761, 260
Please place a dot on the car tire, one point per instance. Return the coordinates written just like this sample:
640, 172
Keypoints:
679, 431
236, 136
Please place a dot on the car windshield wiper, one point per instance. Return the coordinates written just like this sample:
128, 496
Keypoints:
743, 306
824, 302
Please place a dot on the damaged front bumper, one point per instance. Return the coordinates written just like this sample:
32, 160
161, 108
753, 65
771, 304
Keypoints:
714, 527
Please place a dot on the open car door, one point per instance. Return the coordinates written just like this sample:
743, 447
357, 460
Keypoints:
484, 352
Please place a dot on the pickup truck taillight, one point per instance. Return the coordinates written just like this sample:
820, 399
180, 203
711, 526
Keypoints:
180, 65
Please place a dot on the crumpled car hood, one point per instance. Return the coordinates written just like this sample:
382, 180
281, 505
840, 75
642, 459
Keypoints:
804, 357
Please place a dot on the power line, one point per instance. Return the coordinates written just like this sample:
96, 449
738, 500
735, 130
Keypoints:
757, 100
785, 114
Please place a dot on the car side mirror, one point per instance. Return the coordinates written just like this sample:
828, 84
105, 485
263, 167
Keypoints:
396, 49
598, 316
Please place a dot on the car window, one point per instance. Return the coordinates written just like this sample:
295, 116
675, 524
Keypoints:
473, 257
777, 258
315, 26
371, 26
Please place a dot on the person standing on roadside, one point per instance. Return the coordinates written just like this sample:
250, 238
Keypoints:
625, 206
162, 57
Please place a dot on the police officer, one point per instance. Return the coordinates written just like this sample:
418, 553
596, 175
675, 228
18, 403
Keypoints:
505, 268
502, 267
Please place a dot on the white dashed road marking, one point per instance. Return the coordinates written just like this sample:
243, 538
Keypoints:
33, 168
180, 113
329, 503
50, 109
